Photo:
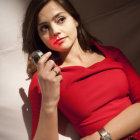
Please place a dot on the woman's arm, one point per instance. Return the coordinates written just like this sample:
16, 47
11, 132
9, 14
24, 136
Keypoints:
128, 121
48, 124
124, 124
48, 77
40, 114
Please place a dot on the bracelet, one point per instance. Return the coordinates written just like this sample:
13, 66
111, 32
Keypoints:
104, 134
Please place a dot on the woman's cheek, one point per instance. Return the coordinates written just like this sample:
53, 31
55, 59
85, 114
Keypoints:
50, 43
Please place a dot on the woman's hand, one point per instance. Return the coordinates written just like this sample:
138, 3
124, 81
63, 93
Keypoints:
49, 79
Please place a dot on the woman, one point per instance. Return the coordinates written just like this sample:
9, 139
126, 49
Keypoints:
94, 86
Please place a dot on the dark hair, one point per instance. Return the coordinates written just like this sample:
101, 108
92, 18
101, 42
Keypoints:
31, 39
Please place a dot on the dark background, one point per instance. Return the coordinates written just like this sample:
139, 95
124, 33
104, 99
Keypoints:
115, 23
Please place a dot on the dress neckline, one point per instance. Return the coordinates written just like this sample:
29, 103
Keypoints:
103, 52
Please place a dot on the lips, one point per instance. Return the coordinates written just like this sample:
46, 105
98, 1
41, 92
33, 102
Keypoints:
60, 40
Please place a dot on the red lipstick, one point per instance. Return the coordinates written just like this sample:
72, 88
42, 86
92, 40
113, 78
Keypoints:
60, 40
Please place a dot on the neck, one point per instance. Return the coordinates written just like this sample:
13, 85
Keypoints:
74, 56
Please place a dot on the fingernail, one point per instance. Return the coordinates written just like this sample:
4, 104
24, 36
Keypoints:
49, 53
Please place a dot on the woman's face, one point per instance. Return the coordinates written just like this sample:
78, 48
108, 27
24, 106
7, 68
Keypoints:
56, 27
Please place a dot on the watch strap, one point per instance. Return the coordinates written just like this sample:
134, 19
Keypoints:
104, 134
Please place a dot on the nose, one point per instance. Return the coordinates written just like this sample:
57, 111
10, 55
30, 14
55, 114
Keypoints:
55, 30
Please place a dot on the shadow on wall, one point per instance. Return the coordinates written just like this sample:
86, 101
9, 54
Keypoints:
64, 126
26, 112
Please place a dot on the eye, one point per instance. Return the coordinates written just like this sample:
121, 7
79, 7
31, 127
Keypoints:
44, 28
61, 20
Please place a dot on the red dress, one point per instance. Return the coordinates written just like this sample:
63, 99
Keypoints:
92, 96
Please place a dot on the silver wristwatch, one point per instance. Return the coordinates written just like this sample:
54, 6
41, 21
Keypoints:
104, 134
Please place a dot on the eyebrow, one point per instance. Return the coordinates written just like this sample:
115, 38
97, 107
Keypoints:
57, 15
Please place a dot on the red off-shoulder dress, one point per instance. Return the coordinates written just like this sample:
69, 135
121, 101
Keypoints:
90, 97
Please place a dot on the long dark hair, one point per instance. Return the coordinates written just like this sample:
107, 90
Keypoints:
31, 39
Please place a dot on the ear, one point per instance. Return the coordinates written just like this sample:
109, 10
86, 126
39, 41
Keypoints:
76, 23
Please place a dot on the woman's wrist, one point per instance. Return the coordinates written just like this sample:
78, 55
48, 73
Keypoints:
104, 135
94, 136
48, 107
